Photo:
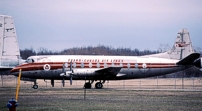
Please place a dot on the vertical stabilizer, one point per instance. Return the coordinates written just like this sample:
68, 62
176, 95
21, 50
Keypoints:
9, 49
181, 48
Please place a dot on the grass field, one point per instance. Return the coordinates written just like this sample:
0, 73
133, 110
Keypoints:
132, 95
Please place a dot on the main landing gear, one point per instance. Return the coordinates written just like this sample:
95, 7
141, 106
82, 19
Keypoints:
35, 86
98, 85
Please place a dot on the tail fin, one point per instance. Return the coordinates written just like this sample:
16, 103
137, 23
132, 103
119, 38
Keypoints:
9, 49
181, 48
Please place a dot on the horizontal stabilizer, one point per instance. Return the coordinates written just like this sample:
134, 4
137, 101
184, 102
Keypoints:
189, 60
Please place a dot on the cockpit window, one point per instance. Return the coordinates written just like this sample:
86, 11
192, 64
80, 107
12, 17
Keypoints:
29, 60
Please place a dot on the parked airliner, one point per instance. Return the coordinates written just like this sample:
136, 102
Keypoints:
101, 68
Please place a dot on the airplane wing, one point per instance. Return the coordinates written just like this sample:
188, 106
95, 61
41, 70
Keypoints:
5, 68
189, 60
112, 71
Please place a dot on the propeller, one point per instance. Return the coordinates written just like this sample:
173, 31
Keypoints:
67, 73
65, 65
71, 72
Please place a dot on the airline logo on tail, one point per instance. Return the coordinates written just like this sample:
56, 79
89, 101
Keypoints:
181, 44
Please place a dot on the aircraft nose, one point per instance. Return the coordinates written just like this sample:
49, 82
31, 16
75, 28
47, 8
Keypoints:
15, 71
198, 63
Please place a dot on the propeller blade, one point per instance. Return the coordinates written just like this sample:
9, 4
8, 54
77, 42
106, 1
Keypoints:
70, 80
63, 82
71, 72
71, 66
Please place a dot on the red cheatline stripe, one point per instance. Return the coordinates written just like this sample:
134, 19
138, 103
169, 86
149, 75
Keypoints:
59, 65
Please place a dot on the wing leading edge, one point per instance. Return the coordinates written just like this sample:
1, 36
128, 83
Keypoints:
112, 71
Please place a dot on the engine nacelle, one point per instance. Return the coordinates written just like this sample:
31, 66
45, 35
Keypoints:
84, 72
198, 63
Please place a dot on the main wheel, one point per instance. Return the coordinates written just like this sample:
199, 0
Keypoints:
87, 85
98, 85
35, 86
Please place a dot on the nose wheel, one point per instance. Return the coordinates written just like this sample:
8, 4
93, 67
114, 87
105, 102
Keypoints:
35, 86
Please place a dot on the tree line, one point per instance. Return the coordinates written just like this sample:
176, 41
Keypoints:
89, 50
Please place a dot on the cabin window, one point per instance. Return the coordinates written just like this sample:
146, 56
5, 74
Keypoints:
121, 65
136, 65
82, 65
112, 64
128, 65
98, 65
90, 65
74, 65
105, 65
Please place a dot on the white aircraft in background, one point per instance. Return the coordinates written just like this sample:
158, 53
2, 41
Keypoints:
9, 50
101, 68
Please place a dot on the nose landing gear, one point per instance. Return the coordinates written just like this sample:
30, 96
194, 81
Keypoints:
35, 86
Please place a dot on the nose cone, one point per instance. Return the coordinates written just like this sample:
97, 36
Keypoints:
198, 62
15, 71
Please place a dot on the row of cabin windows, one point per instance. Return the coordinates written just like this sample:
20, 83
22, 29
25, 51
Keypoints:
106, 65
94, 60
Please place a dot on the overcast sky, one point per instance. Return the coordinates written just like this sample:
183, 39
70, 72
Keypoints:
142, 24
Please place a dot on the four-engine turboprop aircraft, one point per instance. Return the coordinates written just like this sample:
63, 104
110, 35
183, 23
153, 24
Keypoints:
102, 68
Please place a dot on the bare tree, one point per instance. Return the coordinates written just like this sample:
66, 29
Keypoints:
164, 47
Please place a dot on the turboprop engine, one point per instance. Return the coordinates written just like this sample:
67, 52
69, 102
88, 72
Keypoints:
80, 72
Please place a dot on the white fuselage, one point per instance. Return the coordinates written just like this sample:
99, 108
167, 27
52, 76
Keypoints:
87, 67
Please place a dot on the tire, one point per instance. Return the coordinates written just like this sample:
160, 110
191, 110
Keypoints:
87, 85
35, 86
98, 85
